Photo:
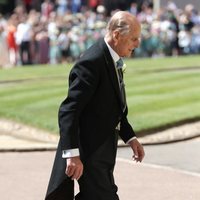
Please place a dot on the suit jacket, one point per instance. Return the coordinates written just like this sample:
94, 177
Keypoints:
92, 109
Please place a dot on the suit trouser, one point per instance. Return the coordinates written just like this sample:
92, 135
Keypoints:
97, 181
25, 49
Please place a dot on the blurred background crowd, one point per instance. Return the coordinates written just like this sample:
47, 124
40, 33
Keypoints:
56, 31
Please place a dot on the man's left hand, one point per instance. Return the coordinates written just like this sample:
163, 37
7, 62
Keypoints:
138, 150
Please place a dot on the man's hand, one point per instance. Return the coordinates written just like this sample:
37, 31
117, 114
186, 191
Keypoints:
138, 151
74, 167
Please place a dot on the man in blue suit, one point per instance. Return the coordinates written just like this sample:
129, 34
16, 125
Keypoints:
93, 115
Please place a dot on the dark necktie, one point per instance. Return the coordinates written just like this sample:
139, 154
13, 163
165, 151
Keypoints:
121, 82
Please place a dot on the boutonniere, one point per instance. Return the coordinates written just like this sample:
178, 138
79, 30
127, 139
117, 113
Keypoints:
124, 68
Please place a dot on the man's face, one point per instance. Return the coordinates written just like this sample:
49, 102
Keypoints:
125, 44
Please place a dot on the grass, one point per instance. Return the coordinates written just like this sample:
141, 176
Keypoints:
161, 92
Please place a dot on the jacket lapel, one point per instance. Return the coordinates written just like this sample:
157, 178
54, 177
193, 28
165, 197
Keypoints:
111, 70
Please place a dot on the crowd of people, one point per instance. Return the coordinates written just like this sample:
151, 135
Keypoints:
58, 34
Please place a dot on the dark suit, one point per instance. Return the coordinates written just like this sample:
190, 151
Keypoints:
87, 119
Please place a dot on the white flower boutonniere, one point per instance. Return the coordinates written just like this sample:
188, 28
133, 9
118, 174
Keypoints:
124, 68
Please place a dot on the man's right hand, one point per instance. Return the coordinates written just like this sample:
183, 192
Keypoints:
74, 167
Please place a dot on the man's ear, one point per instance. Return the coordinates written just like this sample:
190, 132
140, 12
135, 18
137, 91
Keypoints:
116, 36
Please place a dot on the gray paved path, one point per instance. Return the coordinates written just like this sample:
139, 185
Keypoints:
24, 176
184, 155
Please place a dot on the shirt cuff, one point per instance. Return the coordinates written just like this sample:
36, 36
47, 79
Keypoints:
133, 138
70, 153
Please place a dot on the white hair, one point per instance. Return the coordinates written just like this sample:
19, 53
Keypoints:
120, 24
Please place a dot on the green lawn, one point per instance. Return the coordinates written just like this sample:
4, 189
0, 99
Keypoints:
160, 92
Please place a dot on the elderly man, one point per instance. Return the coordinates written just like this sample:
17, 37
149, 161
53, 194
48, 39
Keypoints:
93, 115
